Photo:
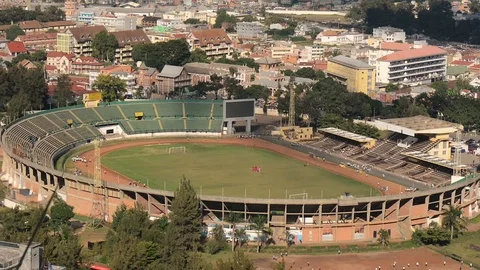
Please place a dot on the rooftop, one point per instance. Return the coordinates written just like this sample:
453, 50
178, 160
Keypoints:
350, 62
86, 33
432, 159
347, 134
170, 71
395, 46
462, 63
131, 37
211, 36
423, 124
456, 70
412, 54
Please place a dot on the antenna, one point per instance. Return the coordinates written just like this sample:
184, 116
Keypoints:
99, 212
291, 109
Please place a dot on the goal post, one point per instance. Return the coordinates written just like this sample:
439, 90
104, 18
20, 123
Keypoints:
177, 149
303, 196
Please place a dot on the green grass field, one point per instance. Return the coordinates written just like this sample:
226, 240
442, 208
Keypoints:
213, 168
462, 247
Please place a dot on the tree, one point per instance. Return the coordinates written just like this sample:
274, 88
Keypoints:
61, 213
17, 105
3, 191
258, 225
434, 235
233, 218
198, 55
383, 238
13, 32
173, 52
104, 46
186, 218
111, 87
239, 261
38, 56
218, 241
192, 21
63, 248
63, 92
249, 18
454, 221
391, 87
306, 73
224, 19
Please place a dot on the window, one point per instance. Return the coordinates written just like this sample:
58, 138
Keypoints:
444, 152
435, 153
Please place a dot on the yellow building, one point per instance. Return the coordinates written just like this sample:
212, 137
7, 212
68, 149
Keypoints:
64, 42
358, 76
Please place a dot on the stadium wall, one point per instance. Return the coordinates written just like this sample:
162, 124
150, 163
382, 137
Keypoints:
334, 220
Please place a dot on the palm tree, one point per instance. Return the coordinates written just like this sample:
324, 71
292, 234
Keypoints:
453, 220
259, 225
233, 218
383, 237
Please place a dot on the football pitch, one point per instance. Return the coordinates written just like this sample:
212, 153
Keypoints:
228, 170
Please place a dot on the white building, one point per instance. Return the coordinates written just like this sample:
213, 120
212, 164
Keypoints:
313, 52
170, 23
386, 48
331, 37
129, 79
250, 30
389, 34
280, 50
412, 67
113, 23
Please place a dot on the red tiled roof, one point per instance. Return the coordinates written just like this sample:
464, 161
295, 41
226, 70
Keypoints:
4, 54
16, 47
461, 63
470, 57
131, 37
30, 24
37, 36
212, 36
180, 35
395, 46
50, 67
414, 53
55, 54
59, 23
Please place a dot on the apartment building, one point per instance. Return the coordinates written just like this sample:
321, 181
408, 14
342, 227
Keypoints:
413, 67
124, 72
85, 64
386, 48
126, 40
36, 26
389, 34
60, 61
78, 40
358, 76
279, 51
36, 41
172, 78
215, 42
331, 37
250, 30
113, 23
314, 52
86, 17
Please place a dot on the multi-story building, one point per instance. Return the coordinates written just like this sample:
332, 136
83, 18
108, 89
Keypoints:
280, 51
201, 72
312, 52
413, 67
389, 34
61, 61
358, 76
71, 9
124, 72
250, 30
146, 76
85, 64
149, 21
113, 23
78, 40
35, 41
36, 26
172, 78
86, 17
126, 40
214, 42
338, 38
12, 256
386, 48
170, 23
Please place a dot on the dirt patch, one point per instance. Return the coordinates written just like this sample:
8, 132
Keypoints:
112, 176
367, 261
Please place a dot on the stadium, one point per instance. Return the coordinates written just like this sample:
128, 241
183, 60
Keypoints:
413, 157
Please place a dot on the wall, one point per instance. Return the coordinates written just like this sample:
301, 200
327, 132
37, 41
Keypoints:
356, 79
116, 129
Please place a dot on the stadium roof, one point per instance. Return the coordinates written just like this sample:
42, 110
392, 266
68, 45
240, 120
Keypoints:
418, 125
347, 134
432, 159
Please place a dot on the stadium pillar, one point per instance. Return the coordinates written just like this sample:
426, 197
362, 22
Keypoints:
230, 127
440, 201
248, 127
452, 199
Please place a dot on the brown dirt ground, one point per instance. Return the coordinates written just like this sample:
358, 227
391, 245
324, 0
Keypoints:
112, 176
367, 261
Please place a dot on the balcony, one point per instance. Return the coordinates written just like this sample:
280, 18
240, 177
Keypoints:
417, 73
416, 70
417, 60
416, 66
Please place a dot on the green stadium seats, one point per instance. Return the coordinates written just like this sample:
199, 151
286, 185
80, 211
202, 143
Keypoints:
145, 126
130, 109
109, 113
170, 109
217, 110
170, 125
65, 115
216, 125
197, 124
87, 115
197, 110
